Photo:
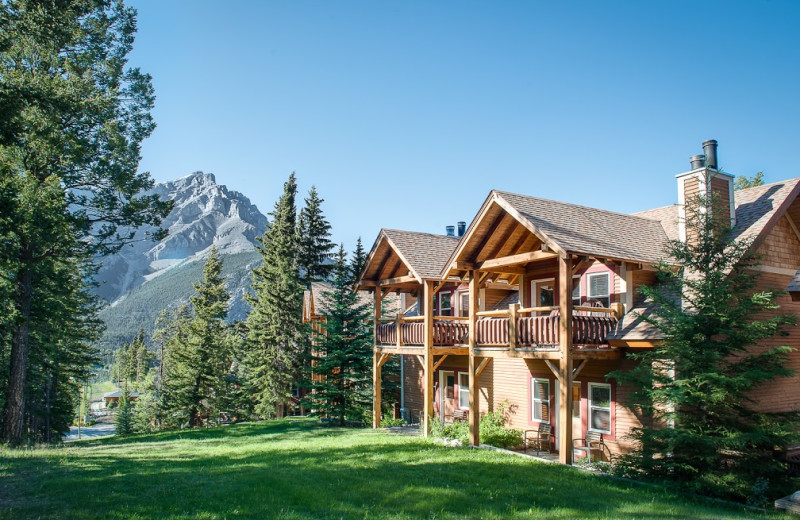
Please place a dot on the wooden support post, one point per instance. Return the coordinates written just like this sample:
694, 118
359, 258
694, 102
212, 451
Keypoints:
376, 390
618, 308
376, 368
439, 363
512, 326
565, 361
474, 395
398, 330
428, 344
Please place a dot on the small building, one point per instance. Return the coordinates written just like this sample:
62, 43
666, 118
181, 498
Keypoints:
116, 395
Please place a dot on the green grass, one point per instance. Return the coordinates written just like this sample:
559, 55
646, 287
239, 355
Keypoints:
297, 469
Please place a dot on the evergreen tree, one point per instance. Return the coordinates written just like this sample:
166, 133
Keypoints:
743, 182
701, 427
123, 420
147, 414
198, 357
73, 119
314, 246
132, 361
274, 323
358, 260
340, 375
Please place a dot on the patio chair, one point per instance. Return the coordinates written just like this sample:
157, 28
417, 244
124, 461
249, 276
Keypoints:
592, 443
460, 415
539, 439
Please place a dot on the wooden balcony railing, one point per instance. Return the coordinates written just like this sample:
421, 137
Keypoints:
504, 328
445, 333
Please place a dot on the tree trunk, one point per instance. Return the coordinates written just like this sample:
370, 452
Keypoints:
14, 411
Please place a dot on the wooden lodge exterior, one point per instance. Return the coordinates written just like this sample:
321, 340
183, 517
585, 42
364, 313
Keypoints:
574, 272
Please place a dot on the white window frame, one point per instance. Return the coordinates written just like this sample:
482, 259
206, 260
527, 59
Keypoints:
589, 294
459, 295
534, 381
442, 308
591, 407
576, 281
463, 389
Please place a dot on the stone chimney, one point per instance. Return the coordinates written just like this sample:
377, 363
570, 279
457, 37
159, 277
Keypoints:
705, 179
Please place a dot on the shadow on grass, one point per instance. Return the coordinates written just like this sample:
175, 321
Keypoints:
320, 472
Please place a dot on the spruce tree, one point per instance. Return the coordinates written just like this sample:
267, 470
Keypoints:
274, 323
340, 375
701, 426
73, 118
358, 260
198, 357
123, 420
314, 246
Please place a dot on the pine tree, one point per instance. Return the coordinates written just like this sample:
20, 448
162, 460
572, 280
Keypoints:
274, 323
358, 260
340, 375
73, 118
314, 246
743, 182
198, 357
123, 420
701, 427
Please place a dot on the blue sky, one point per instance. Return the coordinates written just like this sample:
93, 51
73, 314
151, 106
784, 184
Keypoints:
405, 114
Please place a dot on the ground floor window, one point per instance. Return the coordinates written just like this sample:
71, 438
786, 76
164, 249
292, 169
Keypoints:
540, 395
600, 407
463, 390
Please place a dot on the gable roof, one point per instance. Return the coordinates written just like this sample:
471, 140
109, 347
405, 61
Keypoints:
316, 301
425, 252
757, 210
591, 231
422, 254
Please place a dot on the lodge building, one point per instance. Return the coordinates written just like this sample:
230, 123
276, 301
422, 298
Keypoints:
537, 301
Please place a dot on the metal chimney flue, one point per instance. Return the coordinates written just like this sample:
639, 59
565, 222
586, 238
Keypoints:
697, 161
451, 231
710, 149
462, 226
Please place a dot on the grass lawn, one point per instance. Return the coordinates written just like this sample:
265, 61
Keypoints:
297, 469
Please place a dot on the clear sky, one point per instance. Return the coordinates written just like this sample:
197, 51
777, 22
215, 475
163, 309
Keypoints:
405, 114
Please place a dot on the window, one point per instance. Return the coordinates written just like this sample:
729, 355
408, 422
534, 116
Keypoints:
576, 291
540, 407
576, 400
600, 407
445, 307
465, 304
599, 288
463, 390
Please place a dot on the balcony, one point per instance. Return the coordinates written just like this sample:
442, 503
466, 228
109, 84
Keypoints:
590, 327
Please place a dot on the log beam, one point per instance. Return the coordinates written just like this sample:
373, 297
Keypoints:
565, 361
474, 396
428, 344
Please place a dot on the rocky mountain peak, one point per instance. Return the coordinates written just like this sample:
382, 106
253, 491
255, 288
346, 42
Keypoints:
205, 214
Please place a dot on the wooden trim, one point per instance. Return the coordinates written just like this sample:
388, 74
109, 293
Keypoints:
389, 281
577, 369
512, 325
474, 389
504, 353
482, 366
553, 368
565, 363
441, 360
606, 353
428, 343
790, 220
774, 270
513, 260
376, 391
455, 351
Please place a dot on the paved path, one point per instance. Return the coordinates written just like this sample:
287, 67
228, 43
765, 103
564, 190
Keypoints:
90, 432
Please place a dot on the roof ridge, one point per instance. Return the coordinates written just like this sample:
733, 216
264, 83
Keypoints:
571, 204
436, 235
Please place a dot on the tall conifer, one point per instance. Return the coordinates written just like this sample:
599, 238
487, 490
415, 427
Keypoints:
342, 356
274, 323
198, 359
314, 246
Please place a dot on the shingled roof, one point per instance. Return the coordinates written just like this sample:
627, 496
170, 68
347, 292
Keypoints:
316, 300
756, 209
591, 231
426, 253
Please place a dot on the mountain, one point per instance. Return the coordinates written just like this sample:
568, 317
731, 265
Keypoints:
146, 277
